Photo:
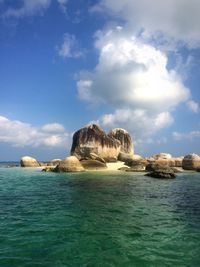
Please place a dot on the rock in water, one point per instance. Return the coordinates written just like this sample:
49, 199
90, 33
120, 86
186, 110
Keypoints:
92, 139
27, 161
191, 162
69, 164
124, 138
166, 173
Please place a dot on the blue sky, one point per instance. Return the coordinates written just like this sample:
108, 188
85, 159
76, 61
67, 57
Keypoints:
131, 64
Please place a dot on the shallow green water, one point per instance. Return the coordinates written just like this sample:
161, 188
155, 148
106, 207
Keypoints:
98, 219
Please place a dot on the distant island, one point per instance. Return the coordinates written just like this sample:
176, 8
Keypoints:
94, 149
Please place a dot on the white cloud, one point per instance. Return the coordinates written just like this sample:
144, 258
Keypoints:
22, 134
138, 122
193, 106
177, 20
53, 128
28, 8
186, 136
69, 47
63, 5
132, 77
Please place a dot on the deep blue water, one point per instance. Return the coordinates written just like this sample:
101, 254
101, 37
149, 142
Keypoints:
98, 219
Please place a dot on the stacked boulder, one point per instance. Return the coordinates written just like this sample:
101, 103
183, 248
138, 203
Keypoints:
92, 140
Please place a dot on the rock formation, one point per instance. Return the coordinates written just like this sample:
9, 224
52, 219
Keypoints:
191, 162
69, 164
124, 138
27, 161
92, 139
162, 156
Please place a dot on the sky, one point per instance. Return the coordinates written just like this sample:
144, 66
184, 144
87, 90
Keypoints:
132, 64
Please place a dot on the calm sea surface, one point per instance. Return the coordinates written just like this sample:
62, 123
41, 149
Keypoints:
98, 219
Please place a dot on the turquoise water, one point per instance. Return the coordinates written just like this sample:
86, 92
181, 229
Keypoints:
98, 219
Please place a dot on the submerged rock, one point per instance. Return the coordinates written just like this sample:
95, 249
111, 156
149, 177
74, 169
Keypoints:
69, 164
92, 139
27, 161
191, 162
164, 173
124, 138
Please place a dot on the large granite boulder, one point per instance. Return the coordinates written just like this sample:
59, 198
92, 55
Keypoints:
128, 157
93, 164
92, 139
124, 138
27, 161
191, 162
69, 164
160, 164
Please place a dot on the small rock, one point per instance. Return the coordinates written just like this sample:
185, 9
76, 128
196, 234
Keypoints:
162, 174
69, 164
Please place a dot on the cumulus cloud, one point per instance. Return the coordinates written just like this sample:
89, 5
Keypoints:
176, 20
137, 122
22, 134
133, 78
193, 106
27, 8
53, 128
186, 136
69, 47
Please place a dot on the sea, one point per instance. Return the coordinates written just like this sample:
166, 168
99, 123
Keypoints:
98, 219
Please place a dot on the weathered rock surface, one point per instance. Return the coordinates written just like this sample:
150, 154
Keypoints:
27, 161
159, 164
128, 157
124, 138
92, 139
191, 162
69, 164
137, 165
92, 164
162, 174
